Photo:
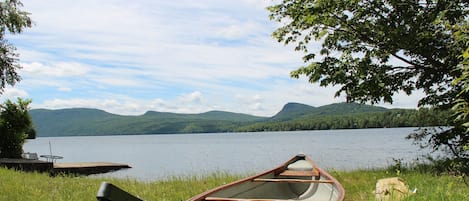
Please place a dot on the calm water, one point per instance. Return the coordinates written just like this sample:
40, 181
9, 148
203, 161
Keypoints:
160, 156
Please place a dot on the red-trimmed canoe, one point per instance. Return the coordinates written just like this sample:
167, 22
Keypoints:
297, 179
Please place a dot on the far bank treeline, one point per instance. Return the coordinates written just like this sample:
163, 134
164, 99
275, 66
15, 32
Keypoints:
388, 119
293, 116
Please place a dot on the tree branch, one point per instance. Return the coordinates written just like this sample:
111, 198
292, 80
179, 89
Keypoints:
373, 43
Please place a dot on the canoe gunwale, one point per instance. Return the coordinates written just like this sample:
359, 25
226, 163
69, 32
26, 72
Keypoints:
294, 180
316, 172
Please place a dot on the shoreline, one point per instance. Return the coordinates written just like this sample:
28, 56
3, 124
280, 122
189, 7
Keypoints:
359, 185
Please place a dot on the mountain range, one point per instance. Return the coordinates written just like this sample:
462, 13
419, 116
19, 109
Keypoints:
85, 121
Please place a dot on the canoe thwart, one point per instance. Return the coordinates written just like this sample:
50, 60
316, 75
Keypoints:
293, 180
297, 173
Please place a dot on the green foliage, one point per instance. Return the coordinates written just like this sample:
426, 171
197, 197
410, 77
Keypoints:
31, 133
374, 49
15, 124
461, 108
12, 20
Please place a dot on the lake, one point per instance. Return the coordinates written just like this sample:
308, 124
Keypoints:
156, 157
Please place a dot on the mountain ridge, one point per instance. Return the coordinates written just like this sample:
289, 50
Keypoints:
292, 109
88, 121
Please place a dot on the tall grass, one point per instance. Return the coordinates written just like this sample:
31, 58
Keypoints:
20, 186
359, 185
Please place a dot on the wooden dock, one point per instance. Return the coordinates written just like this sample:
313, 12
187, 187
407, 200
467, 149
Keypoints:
84, 168
87, 168
27, 165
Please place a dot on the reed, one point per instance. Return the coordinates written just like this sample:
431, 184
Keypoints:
359, 185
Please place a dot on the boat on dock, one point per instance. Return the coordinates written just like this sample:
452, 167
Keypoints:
297, 179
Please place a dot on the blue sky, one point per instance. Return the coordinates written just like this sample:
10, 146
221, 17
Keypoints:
129, 57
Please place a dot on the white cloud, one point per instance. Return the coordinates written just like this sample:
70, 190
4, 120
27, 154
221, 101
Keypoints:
13, 93
258, 3
240, 30
61, 69
256, 107
253, 103
156, 105
128, 82
64, 89
402, 100
194, 97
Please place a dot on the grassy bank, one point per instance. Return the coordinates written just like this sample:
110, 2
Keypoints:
358, 184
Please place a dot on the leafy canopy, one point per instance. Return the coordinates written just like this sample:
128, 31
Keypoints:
13, 21
374, 49
15, 126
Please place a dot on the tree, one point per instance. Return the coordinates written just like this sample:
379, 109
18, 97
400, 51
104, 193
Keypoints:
375, 49
13, 21
15, 125
15, 122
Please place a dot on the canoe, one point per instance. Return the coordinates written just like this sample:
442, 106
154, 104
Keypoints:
297, 179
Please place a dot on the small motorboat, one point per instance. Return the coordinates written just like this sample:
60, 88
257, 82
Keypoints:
297, 179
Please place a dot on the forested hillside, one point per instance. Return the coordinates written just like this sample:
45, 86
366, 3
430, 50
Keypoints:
80, 121
372, 119
293, 116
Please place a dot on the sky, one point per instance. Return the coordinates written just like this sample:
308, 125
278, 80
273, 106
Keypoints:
129, 57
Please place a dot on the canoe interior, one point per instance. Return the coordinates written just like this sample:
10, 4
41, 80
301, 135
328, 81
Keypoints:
281, 190
282, 183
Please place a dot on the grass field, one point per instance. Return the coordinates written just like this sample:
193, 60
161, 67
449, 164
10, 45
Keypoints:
359, 185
